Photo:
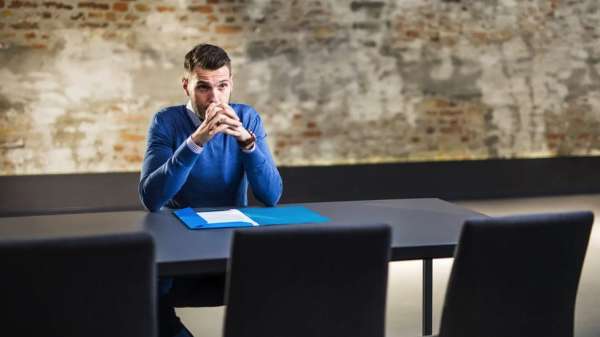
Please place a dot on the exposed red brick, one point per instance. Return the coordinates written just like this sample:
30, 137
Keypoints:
25, 25
133, 158
38, 46
311, 125
450, 112
109, 35
212, 1
165, 8
142, 7
312, 134
120, 6
413, 34
95, 15
229, 9
1, 3
481, 36
131, 137
19, 4
93, 5
131, 17
57, 5
584, 136
77, 16
30, 35
441, 103
111, 16
201, 9
366, 5
94, 25
46, 15
124, 25
228, 29
1, 25
555, 136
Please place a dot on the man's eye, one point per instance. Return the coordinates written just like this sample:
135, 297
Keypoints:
202, 88
223, 86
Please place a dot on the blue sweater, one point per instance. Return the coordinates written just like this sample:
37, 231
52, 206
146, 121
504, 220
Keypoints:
173, 175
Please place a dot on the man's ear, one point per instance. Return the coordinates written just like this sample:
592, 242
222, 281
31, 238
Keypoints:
184, 84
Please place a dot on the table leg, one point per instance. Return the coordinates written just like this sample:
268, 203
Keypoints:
427, 295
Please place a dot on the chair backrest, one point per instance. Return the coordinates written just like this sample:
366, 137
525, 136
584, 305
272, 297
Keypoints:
308, 281
78, 286
516, 276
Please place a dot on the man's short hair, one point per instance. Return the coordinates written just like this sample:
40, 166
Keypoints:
206, 56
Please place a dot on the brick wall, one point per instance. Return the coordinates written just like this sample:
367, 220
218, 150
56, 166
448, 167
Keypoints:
335, 81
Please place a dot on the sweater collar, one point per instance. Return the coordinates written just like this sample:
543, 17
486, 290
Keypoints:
190, 111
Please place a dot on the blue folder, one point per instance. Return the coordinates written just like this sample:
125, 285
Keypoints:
264, 216
192, 220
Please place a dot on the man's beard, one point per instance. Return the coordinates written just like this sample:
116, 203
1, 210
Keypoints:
198, 112
201, 113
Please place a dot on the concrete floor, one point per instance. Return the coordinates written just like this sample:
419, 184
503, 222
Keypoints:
404, 292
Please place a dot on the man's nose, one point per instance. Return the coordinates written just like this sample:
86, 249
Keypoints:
213, 95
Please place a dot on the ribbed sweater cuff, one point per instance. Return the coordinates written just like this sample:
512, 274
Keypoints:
184, 155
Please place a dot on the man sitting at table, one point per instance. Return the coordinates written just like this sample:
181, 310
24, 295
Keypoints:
204, 154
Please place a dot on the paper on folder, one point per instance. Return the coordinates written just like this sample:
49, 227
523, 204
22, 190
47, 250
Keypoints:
230, 215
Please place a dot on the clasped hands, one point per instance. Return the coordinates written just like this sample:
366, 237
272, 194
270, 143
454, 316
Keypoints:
220, 118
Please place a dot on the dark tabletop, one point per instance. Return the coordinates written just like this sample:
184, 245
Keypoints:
421, 228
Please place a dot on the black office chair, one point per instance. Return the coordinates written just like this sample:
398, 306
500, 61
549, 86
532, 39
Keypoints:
308, 281
516, 276
78, 287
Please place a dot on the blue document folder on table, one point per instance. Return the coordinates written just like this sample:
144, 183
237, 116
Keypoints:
258, 216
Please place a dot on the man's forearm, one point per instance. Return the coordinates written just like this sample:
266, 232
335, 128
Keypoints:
263, 176
161, 184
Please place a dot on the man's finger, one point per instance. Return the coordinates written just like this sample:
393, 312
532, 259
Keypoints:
229, 111
221, 118
218, 129
233, 132
210, 111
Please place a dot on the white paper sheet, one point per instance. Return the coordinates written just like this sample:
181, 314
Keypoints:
230, 215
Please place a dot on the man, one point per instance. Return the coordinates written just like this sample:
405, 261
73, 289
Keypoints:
204, 154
